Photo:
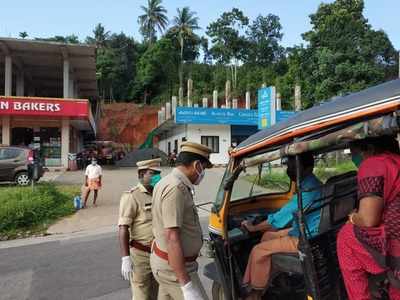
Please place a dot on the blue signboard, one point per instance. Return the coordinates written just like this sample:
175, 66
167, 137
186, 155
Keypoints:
264, 107
283, 115
228, 116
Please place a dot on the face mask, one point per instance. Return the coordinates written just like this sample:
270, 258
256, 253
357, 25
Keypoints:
94, 163
155, 179
200, 175
357, 159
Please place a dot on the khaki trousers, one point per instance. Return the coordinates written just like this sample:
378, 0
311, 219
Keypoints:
169, 287
143, 284
259, 265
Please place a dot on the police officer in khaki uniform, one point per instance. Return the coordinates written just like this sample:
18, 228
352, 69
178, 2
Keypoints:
135, 231
176, 227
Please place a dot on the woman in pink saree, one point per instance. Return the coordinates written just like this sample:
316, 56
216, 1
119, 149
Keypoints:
370, 242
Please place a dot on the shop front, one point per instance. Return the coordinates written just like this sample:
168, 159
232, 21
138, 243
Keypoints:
56, 127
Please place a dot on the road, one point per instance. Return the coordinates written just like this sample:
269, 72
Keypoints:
83, 262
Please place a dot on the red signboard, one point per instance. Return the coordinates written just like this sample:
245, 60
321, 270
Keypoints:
27, 106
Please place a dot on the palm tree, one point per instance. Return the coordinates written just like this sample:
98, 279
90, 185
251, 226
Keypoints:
153, 19
23, 34
184, 25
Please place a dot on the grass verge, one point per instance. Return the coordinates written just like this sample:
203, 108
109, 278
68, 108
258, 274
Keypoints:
25, 212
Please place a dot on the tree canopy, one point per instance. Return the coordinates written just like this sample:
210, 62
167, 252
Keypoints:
342, 53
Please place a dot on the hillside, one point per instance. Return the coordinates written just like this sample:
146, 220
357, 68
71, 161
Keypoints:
127, 123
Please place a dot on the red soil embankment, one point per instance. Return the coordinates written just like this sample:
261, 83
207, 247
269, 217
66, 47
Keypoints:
127, 123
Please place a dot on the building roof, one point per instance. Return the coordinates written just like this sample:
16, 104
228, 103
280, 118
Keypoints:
350, 108
42, 63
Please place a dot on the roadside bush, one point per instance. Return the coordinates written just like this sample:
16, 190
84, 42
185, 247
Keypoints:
23, 208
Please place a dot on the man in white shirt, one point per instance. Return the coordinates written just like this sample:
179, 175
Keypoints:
93, 176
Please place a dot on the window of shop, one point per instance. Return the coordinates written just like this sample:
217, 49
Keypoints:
50, 145
211, 142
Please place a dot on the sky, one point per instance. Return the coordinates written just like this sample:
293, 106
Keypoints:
45, 18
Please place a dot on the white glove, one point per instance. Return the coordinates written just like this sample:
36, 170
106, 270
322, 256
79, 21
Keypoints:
190, 292
126, 267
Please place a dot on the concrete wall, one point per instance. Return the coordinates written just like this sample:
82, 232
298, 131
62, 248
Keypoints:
195, 132
178, 133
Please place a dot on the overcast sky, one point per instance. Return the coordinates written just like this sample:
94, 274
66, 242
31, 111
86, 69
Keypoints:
44, 18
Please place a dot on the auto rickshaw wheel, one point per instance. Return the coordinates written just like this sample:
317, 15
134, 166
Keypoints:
217, 291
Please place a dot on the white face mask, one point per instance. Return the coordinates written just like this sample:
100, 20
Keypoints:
200, 175
94, 163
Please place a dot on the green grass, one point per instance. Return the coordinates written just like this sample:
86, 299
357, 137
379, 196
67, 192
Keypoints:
274, 181
323, 173
24, 211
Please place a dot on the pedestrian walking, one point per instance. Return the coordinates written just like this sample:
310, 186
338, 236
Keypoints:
135, 231
176, 226
93, 175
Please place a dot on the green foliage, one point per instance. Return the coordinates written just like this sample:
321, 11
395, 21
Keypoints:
324, 172
264, 36
154, 18
342, 54
228, 36
156, 70
69, 39
22, 208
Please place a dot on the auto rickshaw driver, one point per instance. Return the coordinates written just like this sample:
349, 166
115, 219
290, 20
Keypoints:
277, 237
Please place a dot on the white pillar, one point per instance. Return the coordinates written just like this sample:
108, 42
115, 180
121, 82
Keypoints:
180, 94
278, 101
174, 101
205, 102
6, 131
189, 92
71, 88
64, 142
235, 103
248, 100
215, 99
167, 110
8, 76
20, 84
159, 117
162, 114
66, 79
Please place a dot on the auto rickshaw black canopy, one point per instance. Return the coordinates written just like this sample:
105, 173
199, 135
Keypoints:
370, 102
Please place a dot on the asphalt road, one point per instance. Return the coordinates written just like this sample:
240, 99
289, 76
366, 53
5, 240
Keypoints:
82, 263
69, 267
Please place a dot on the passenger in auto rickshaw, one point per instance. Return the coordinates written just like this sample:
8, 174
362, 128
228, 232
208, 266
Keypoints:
277, 237
370, 242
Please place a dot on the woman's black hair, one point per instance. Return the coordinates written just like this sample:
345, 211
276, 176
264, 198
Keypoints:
381, 144
186, 158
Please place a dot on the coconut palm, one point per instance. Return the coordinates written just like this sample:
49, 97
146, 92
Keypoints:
184, 25
153, 19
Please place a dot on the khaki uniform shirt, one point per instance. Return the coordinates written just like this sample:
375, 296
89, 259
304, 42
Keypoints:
135, 211
173, 206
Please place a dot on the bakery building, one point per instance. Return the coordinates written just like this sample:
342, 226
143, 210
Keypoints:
45, 89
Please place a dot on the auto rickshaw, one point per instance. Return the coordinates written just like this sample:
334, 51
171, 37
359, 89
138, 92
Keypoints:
250, 191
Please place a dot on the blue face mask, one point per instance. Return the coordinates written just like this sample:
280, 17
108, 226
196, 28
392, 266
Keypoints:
155, 179
357, 159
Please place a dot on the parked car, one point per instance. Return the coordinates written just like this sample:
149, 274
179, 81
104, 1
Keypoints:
16, 164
